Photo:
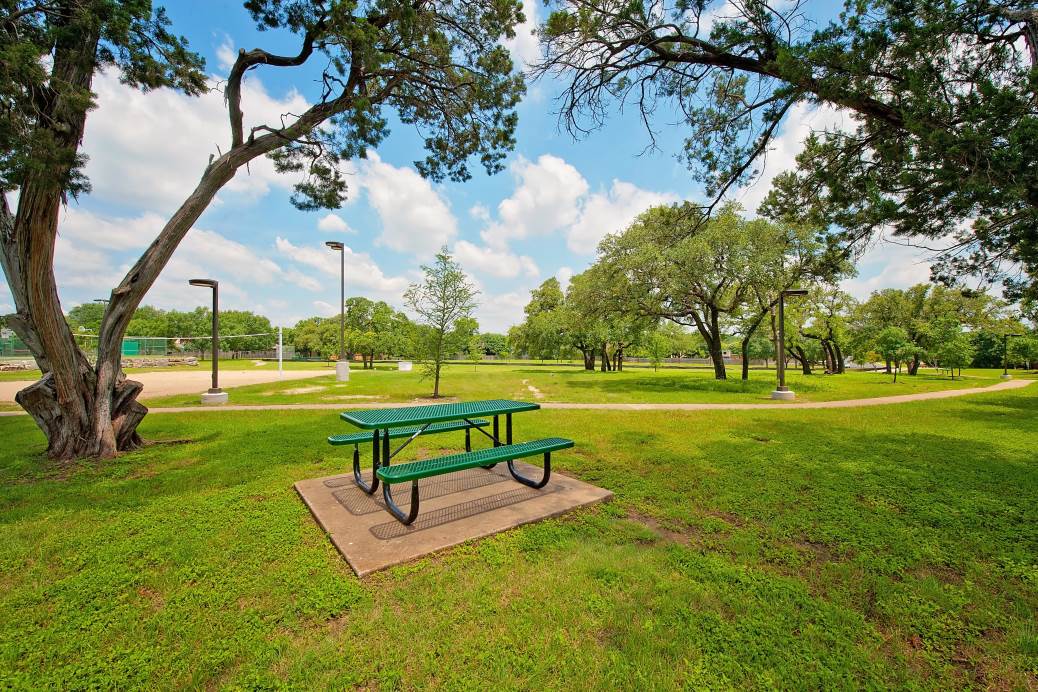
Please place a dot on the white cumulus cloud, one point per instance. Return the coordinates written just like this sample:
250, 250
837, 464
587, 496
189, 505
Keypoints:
148, 150
609, 212
334, 223
361, 270
500, 263
415, 218
546, 198
523, 46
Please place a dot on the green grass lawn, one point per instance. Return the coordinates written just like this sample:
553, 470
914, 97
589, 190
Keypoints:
576, 385
882, 547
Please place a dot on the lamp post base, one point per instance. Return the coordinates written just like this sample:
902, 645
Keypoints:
1007, 376
783, 395
342, 371
214, 398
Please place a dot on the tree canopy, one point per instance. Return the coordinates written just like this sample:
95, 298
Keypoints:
439, 67
942, 99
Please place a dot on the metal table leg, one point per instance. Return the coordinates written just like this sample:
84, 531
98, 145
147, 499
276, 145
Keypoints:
497, 438
369, 489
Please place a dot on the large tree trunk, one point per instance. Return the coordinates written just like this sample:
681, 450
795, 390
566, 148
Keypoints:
71, 436
797, 352
830, 356
913, 366
84, 410
589, 358
746, 358
838, 352
605, 358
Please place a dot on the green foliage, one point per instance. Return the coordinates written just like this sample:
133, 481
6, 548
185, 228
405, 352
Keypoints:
1023, 351
86, 315
495, 344
941, 96
444, 302
894, 344
129, 36
919, 310
375, 328
726, 275
953, 348
542, 334
439, 68
657, 346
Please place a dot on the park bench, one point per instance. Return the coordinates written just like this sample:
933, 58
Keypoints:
359, 438
411, 422
416, 470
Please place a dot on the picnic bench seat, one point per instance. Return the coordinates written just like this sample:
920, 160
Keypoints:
416, 470
394, 433
356, 439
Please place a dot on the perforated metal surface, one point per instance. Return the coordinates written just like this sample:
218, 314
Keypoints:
360, 438
370, 419
457, 462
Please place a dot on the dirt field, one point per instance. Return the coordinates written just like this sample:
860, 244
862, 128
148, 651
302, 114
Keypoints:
185, 381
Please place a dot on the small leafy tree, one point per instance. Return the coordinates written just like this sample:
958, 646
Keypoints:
494, 344
1023, 351
658, 346
895, 346
441, 301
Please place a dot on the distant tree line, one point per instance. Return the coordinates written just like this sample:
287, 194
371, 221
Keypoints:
658, 291
187, 331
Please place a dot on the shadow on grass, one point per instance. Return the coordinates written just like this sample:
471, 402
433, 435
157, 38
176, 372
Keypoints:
621, 383
222, 452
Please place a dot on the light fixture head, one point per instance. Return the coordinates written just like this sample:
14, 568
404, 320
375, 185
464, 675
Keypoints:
334, 244
795, 292
208, 283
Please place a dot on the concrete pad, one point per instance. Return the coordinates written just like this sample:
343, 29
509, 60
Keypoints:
455, 508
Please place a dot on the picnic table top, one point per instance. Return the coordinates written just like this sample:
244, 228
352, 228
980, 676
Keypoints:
375, 418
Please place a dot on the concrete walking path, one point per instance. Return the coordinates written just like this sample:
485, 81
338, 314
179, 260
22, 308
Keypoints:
166, 383
845, 403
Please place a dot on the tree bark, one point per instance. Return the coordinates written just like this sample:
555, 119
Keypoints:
88, 411
605, 359
840, 369
745, 357
589, 358
805, 364
82, 410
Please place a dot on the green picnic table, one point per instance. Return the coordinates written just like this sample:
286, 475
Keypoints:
386, 424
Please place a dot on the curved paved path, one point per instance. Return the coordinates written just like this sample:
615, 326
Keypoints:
167, 382
845, 403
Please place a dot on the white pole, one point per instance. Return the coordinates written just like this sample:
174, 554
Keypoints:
281, 352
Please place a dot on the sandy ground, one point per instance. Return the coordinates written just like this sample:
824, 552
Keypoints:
186, 381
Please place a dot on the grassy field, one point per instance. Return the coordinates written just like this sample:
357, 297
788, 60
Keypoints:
883, 547
576, 385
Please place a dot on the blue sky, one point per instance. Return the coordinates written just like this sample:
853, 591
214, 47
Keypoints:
542, 217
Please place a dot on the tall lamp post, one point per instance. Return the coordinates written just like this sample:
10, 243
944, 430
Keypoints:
1005, 356
215, 395
782, 391
342, 366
